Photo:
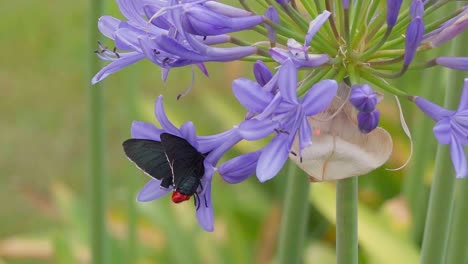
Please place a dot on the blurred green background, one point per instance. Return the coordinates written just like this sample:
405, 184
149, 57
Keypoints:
44, 183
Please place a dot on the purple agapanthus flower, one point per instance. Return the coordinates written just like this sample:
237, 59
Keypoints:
451, 128
172, 34
281, 111
215, 146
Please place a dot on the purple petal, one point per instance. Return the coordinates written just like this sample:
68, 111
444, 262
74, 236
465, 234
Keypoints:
442, 131
271, 108
127, 39
254, 129
202, 21
458, 159
251, 95
315, 25
287, 81
142, 130
187, 131
239, 168
226, 10
262, 73
108, 25
117, 65
208, 143
432, 110
273, 157
152, 191
460, 129
319, 96
305, 134
463, 104
162, 118
205, 210
161, 21
219, 54
202, 68
174, 47
449, 30
129, 9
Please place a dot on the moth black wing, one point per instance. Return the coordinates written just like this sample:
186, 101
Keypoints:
184, 158
149, 156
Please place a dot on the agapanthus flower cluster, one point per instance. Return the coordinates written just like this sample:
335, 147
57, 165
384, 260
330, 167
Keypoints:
329, 63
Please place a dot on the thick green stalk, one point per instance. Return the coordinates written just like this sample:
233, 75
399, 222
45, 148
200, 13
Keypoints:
97, 176
436, 231
131, 182
440, 208
294, 220
458, 241
414, 188
346, 221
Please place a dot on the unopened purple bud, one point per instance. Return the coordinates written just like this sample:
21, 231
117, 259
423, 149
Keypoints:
203, 22
414, 36
262, 73
345, 4
457, 63
393, 8
368, 121
363, 98
272, 15
448, 30
417, 9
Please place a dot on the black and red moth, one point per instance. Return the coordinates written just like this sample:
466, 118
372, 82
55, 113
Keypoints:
172, 160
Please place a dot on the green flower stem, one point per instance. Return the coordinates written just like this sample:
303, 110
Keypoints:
402, 23
459, 233
346, 221
381, 83
256, 58
436, 231
457, 250
132, 182
97, 175
339, 15
296, 17
355, 9
309, 8
414, 187
440, 206
294, 218
331, 19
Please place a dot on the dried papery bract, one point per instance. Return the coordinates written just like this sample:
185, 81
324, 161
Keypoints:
339, 150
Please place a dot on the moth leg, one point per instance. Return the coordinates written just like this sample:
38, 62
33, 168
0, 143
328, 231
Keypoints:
196, 201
